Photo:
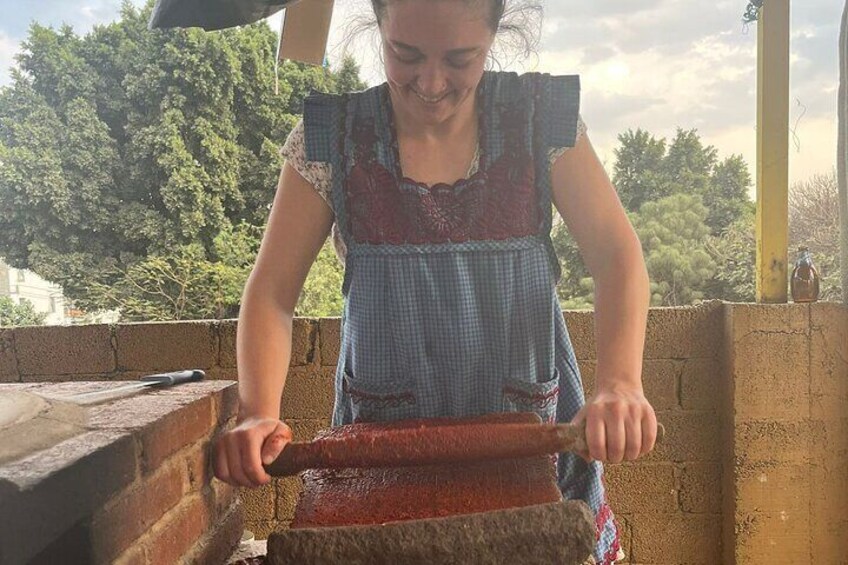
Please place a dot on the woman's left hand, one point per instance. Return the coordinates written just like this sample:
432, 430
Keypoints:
620, 425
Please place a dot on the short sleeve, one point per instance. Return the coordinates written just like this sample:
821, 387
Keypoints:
316, 173
556, 152
561, 110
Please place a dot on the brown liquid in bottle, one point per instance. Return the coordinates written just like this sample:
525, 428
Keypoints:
805, 278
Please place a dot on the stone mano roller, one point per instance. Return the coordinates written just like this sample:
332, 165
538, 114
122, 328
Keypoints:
431, 442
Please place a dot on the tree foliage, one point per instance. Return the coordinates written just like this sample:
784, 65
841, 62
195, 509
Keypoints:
126, 153
814, 223
23, 314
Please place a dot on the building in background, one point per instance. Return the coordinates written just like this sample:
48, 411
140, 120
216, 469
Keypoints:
45, 297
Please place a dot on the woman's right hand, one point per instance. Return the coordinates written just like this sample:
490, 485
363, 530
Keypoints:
240, 453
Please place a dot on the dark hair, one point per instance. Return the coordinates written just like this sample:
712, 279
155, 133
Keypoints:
517, 24
498, 7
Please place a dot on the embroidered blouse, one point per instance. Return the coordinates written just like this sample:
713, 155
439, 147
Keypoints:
320, 174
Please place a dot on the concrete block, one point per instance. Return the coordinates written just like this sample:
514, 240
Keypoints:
771, 377
259, 503
288, 491
769, 318
828, 361
783, 488
660, 379
166, 346
304, 342
581, 330
773, 537
227, 343
309, 394
677, 538
701, 488
64, 350
773, 441
330, 330
690, 436
681, 333
642, 488
306, 430
703, 384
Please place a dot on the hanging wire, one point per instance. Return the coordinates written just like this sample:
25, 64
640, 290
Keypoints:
752, 12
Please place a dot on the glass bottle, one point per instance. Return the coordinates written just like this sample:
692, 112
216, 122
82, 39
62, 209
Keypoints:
805, 278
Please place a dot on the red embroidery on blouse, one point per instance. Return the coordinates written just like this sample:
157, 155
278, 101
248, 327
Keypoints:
498, 203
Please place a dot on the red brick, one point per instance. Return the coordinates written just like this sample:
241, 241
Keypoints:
64, 350
177, 533
330, 330
8, 360
220, 541
173, 432
133, 556
45, 494
308, 394
166, 346
227, 343
133, 511
677, 538
643, 488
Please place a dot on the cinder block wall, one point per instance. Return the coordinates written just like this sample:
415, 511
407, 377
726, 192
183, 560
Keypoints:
725, 379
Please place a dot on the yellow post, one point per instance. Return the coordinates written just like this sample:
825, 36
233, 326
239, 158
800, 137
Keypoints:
773, 151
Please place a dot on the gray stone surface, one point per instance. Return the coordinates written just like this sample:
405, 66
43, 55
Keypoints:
561, 532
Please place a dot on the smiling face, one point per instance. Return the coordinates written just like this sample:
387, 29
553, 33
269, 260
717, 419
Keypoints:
435, 53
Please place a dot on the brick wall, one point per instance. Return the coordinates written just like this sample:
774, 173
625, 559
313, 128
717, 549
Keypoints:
738, 387
133, 485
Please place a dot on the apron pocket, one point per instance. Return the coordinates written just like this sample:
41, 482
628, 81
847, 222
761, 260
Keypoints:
526, 396
382, 401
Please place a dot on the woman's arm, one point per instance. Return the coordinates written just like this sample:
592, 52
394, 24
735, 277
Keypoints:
298, 225
620, 422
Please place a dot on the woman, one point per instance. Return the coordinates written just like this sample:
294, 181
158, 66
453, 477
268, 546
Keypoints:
438, 188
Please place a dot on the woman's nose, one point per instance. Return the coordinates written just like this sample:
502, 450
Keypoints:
431, 80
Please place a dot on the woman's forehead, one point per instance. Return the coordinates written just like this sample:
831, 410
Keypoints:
446, 25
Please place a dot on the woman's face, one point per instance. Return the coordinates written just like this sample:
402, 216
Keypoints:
435, 53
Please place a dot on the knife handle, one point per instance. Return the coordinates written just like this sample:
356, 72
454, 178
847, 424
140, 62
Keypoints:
175, 377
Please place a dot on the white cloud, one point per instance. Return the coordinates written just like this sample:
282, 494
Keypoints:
8, 49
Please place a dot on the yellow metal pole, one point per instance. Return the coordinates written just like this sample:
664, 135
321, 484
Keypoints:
773, 151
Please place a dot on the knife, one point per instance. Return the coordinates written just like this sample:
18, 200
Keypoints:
159, 380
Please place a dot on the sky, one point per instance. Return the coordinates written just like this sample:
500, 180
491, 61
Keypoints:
651, 64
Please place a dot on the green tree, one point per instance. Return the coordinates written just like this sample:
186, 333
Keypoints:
126, 150
673, 233
321, 296
638, 174
735, 256
23, 314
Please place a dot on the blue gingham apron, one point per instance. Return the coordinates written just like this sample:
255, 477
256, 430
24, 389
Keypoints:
450, 301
